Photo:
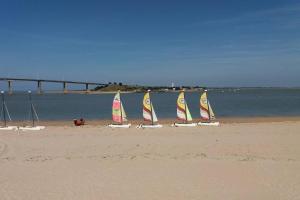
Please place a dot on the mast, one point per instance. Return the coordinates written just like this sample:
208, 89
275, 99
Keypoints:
185, 107
151, 108
31, 109
207, 105
121, 107
3, 108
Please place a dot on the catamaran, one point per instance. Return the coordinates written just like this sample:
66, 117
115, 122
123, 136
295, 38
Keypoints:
4, 115
149, 113
183, 112
206, 112
118, 113
34, 117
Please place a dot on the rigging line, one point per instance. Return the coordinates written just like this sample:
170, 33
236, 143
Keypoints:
1, 115
29, 115
8, 114
35, 113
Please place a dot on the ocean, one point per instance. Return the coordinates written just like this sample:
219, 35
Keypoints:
226, 103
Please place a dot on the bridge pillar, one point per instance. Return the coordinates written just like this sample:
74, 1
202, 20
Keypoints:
9, 87
65, 87
87, 88
39, 87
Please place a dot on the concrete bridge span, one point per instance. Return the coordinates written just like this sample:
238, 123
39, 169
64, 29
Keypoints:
39, 82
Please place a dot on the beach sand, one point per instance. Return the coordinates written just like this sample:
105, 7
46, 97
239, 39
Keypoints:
235, 161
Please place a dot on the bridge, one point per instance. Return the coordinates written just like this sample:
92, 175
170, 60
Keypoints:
40, 81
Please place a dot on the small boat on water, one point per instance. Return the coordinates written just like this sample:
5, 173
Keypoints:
118, 113
5, 116
206, 112
149, 114
34, 117
183, 112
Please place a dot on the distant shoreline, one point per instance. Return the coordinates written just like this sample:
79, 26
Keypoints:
234, 89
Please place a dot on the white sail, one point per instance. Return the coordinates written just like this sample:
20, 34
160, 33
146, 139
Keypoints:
211, 112
154, 117
124, 116
188, 114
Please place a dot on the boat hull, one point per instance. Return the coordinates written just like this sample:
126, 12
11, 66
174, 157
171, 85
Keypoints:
149, 126
184, 125
119, 125
9, 128
32, 128
209, 123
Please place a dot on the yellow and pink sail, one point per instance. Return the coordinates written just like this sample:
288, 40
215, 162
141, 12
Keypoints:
183, 112
118, 112
206, 111
148, 110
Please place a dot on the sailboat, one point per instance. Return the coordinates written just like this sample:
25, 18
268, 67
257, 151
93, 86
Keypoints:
118, 113
5, 115
34, 117
149, 113
206, 112
183, 112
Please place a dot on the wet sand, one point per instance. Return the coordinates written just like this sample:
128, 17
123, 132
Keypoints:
166, 122
257, 159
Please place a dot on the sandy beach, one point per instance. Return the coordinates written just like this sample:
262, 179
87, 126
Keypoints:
258, 159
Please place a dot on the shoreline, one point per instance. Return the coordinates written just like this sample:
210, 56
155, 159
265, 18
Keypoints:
104, 122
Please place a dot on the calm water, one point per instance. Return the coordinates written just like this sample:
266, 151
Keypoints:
243, 103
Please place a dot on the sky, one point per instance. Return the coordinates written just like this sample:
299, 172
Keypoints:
209, 43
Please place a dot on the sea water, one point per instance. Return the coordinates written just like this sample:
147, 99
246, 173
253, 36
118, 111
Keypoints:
226, 103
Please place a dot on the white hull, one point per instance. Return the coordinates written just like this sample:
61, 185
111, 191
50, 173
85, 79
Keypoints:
32, 128
9, 128
119, 125
184, 125
149, 126
209, 123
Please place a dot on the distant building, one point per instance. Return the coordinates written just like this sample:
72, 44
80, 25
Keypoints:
173, 86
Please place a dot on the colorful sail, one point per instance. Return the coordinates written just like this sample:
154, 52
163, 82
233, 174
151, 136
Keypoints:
118, 112
148, 110
206, 111
183, 112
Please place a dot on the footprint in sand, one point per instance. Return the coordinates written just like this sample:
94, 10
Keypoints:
3, 148
38, 158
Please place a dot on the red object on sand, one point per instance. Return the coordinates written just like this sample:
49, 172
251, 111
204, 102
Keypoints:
79, 122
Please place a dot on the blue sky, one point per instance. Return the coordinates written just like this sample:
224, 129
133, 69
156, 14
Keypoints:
212, 43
